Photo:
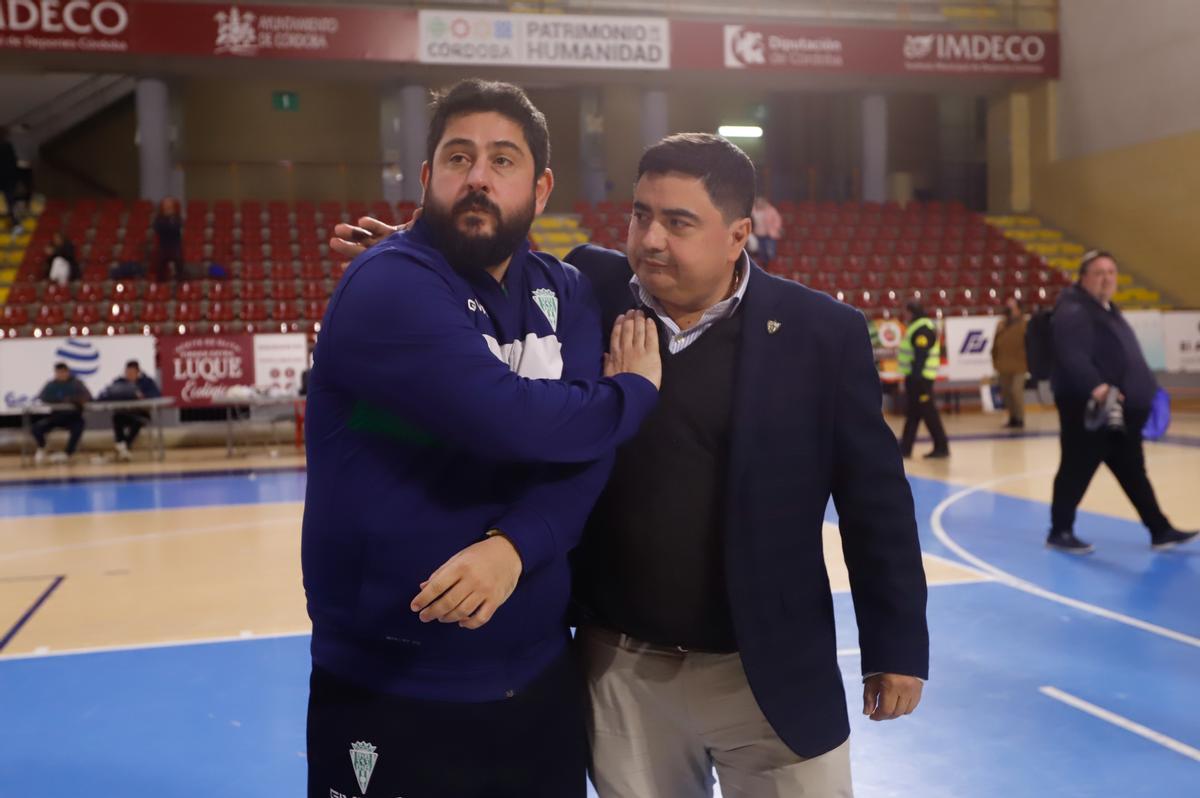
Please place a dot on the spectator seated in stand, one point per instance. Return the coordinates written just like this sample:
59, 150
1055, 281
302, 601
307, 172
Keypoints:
65, 388
132, 385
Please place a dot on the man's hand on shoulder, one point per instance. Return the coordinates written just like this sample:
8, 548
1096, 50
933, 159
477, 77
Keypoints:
633, 348
887, 696
350, 240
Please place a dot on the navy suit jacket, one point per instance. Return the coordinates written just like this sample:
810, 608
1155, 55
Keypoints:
807, 425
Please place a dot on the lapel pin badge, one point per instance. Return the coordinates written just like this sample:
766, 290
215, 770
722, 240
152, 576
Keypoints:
773, 327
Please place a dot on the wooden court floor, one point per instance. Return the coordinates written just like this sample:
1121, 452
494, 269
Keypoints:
209, 569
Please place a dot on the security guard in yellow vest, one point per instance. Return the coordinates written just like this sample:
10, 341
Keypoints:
920, 355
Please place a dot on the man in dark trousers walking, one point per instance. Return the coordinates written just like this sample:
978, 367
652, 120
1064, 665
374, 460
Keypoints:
920, 356
1103, 389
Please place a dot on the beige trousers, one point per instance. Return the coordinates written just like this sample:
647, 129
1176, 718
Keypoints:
1012, 390
662, 720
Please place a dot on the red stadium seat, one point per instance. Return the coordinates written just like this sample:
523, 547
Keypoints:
314, 309
87, 313
155, 312
251, 311
126, 290
285, 290
56, 293
255, 291
49, 315
22, 294
159, 292
314, 290
220, 311
312, 270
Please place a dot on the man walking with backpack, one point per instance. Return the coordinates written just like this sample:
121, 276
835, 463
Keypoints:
1103, 389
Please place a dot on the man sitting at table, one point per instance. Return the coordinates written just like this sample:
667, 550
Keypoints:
65, 388
133, 385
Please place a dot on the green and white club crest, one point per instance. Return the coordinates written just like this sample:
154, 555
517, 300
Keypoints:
547, 301
363, 757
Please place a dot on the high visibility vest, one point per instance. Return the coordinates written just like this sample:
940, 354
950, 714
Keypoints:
924, 332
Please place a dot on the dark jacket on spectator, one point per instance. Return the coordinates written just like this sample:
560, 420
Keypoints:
1093, 346
122, 389
72, 390
169, 230
66, 251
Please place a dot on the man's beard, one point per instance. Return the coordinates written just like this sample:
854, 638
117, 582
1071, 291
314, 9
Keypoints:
474, 252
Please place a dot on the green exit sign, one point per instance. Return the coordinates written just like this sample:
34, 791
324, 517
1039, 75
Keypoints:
285, 101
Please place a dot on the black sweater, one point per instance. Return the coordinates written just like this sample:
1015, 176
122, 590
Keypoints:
1093, 346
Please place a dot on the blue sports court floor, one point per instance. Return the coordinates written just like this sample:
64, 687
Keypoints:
1052, 675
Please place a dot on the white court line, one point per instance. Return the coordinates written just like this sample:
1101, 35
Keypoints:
196, 530
849, 652
1121, 722
43, 652
939, 530
982, 576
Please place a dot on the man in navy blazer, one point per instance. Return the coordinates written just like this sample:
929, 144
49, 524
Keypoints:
707, 621
706, 617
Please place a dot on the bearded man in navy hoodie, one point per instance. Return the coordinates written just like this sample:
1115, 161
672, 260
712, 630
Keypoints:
461, 423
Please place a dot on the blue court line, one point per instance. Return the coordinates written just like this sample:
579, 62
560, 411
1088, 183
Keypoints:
1175, 440
149, 477
192, 490
24, 619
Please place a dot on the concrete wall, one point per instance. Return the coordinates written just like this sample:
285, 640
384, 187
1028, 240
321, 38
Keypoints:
332, 140
1111, 152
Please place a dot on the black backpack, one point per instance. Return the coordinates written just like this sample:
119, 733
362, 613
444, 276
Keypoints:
1039, 345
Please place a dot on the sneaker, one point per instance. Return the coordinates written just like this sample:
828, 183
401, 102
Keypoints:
1013, 424
123, 452
938, 454
39, 457
60, 458
1170, 538
1066, 541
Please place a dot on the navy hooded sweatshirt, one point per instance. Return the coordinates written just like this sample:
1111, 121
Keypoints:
441, 407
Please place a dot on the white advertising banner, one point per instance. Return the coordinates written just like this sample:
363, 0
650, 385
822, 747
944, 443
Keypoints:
27, 364
1148, 327
547, 40
279, 360
1181, 337
968, 347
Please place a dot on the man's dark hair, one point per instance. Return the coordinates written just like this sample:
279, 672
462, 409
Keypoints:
475, 96
726, 172
1091, 257
61, 367
133, 364
916, 309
